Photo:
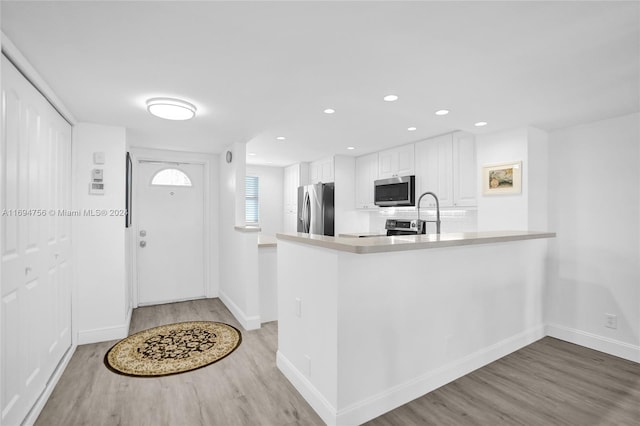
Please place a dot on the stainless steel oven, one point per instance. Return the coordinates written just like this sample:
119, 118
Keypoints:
404, 227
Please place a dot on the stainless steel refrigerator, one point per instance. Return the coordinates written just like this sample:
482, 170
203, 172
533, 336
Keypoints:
315, 209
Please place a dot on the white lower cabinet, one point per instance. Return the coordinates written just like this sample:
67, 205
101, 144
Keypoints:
446, 166
35, 244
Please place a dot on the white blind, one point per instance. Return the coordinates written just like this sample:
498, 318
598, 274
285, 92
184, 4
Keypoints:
251, 204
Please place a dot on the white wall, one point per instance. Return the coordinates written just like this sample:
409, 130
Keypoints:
594, 265
239, 286
271, 197
502, 212
524, 211
100, 241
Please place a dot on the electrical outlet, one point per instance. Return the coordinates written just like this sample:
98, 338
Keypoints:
298, 307
610, 321
307, 366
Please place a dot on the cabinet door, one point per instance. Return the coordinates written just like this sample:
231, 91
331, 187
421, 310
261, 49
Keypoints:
286, 192
315, 169
406, 160
396, 162
326, 170
387, 163
433, 160
291, 183
366, 174
321, 171
465, 170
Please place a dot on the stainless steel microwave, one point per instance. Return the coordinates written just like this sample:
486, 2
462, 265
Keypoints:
395, 191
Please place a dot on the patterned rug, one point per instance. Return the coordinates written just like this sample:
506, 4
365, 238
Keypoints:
173, 348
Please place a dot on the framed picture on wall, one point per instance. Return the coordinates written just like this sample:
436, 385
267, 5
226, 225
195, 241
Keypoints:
502, 179
128, 191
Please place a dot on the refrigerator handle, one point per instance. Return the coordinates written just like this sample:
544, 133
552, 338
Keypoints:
306, 212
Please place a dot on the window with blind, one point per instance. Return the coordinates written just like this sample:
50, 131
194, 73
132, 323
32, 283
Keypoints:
251, 203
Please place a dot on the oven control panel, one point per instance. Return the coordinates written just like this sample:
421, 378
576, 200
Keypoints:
402, 225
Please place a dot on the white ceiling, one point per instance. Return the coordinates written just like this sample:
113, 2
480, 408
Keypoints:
257, 70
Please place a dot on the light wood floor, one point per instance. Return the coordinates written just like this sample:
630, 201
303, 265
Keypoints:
547, 383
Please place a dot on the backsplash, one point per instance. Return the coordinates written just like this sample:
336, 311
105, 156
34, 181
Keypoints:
452, 220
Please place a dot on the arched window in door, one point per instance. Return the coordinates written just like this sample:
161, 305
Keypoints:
171, 177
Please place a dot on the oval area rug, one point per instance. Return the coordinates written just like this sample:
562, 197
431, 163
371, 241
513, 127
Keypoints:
171, 349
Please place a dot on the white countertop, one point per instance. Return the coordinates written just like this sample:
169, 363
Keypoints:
267, 241
411, 242
363, 234
247, 228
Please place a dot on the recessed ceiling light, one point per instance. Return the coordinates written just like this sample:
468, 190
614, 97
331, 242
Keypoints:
412, 129
281, 138
329, 111
390, 98
269, 162
252, 154
480, 123
442, 112
171, 109
351, 148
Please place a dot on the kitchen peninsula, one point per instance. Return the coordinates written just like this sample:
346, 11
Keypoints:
368, 324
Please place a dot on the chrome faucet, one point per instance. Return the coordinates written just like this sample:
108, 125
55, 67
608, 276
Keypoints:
437, 221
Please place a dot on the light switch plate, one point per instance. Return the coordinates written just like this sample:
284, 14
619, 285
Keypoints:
98, 158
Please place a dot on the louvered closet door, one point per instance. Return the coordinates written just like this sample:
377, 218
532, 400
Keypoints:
35, 244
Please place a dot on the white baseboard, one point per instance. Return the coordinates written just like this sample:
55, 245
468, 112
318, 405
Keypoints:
396, 396
35, 411
594, 341
309, 392
390, 399
106, 333
248, 323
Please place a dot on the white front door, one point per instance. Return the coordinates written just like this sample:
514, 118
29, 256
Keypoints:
170, 232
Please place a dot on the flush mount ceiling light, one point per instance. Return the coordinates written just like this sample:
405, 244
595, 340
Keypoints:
480, 123
412, 129
281, 138
390, 98
329, 111
442, 112
171, 109
350, 148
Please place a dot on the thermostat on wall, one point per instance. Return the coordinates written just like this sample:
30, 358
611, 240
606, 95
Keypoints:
96, 186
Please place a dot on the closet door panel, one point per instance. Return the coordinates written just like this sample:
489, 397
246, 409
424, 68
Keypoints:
35, 244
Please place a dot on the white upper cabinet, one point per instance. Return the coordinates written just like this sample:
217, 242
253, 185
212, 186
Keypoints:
397, 161
434, 170
366, 174
465, 170
321, 171
446, 165
294, 176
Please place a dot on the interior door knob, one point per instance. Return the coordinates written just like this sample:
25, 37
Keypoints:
143, 244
